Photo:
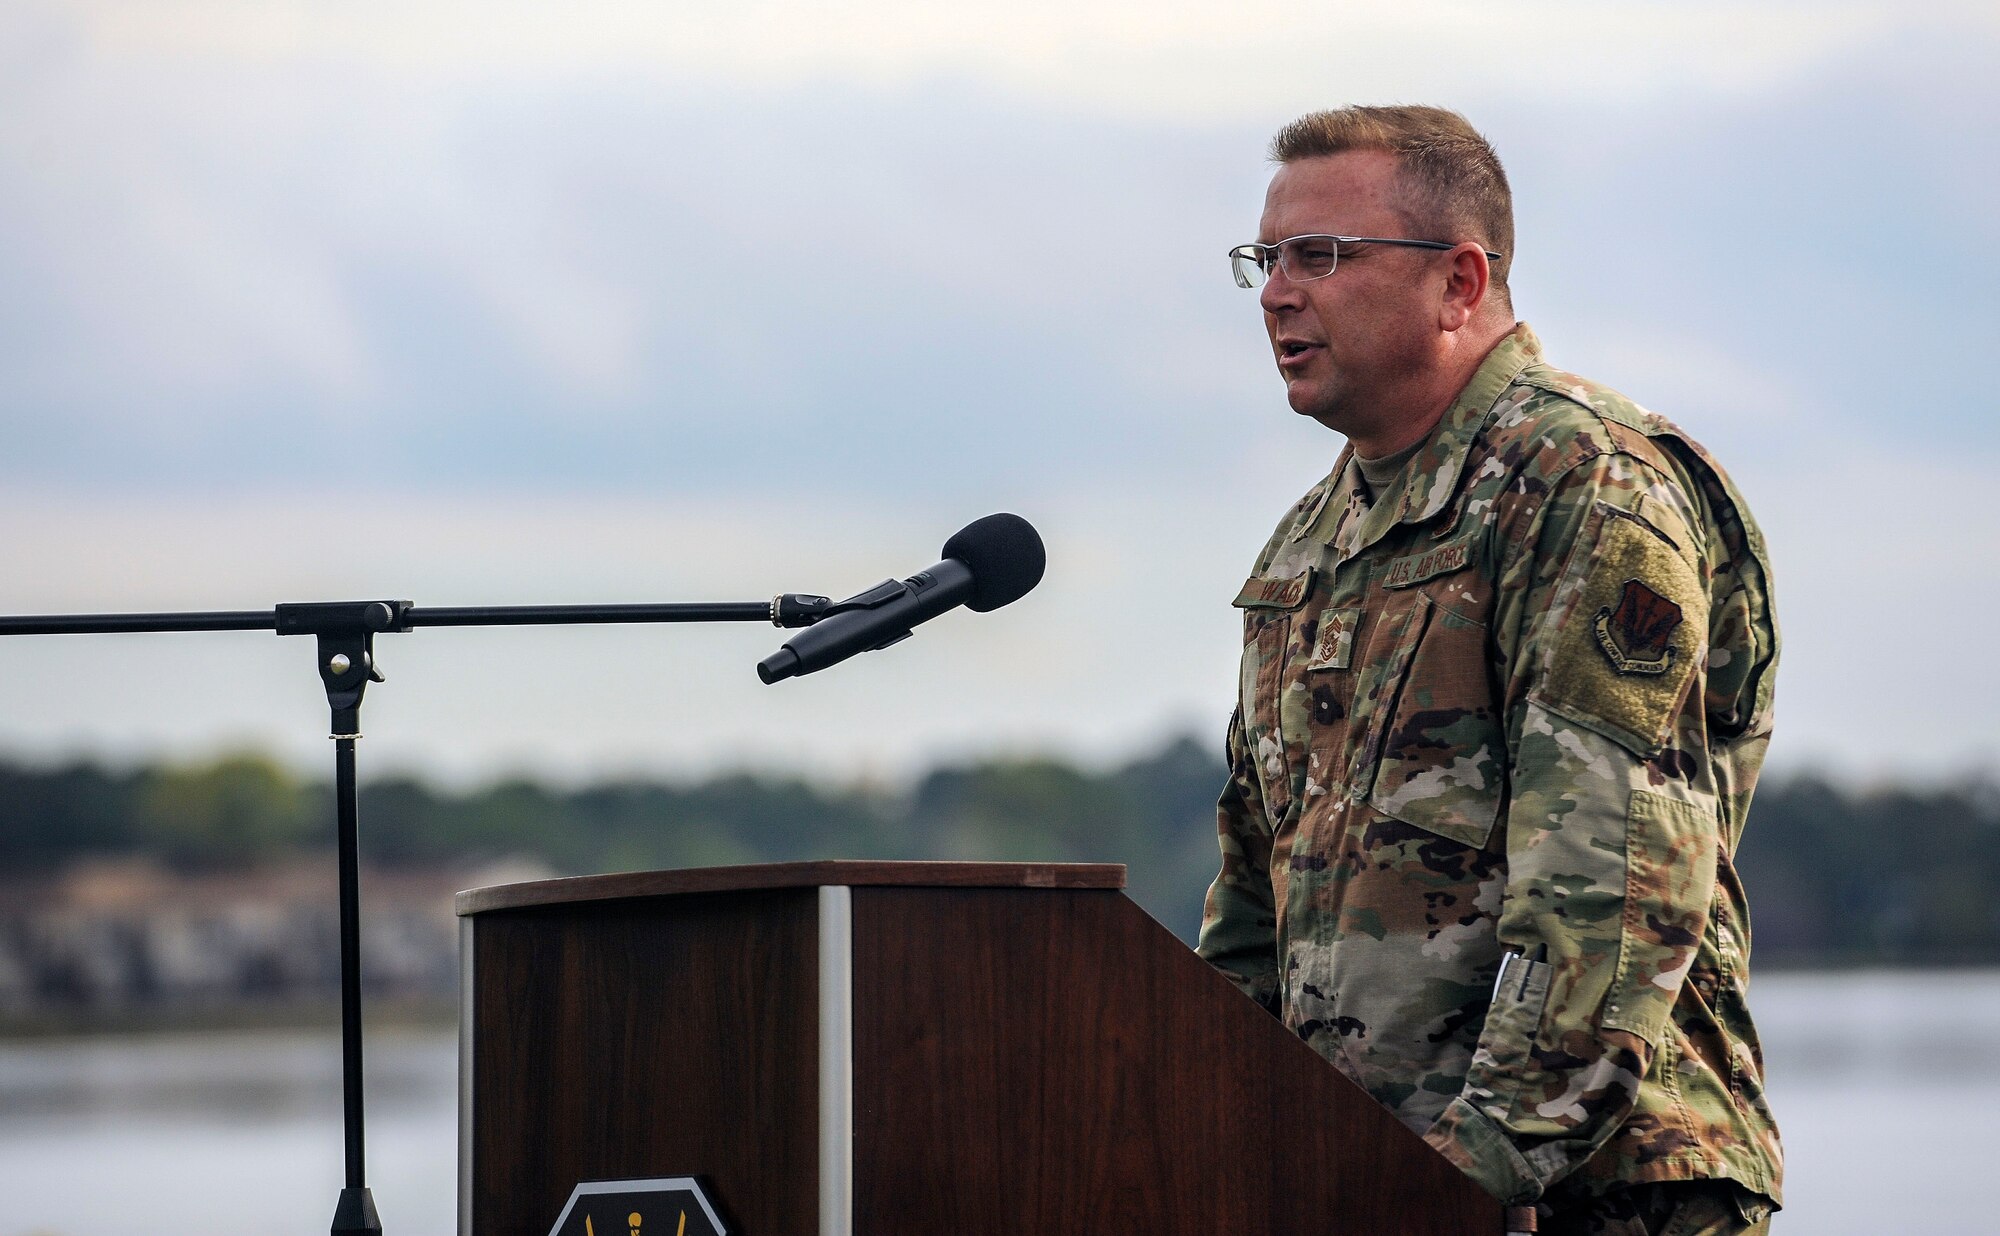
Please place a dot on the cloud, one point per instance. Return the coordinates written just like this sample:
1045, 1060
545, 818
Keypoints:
595, 290
1191, 62
498, 245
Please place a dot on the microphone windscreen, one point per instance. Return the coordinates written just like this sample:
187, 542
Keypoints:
1006, 557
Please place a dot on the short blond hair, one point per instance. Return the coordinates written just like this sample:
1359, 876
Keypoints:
1453, 182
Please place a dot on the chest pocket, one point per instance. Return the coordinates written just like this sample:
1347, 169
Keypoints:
1436, 754
1271, 635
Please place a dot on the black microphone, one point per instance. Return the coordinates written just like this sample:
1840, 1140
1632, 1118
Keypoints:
988, 563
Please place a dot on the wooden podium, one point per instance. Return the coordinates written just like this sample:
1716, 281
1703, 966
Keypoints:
906, 1049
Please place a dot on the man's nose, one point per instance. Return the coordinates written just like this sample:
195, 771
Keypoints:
1279, 292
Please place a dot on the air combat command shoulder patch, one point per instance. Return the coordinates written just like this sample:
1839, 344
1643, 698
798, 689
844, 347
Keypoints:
1634, 635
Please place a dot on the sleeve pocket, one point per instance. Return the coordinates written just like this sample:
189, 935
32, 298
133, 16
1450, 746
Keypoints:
1670, 861
1505, 1061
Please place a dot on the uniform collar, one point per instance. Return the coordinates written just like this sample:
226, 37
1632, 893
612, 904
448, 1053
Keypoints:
1430, 478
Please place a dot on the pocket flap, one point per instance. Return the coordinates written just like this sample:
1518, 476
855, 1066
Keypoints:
1260, 593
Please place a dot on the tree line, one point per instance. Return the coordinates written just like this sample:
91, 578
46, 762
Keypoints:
1897, 875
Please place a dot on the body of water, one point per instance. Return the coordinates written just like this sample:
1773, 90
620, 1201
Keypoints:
1887, 1087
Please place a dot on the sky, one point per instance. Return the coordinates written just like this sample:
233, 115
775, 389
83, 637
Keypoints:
603, 302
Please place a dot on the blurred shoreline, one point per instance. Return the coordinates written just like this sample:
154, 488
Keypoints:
182, 897
131, 946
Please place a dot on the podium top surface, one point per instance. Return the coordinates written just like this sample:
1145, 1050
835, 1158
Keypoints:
788, 875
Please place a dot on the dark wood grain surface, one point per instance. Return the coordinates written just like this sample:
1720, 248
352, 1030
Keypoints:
1027, 1059
789, 875
662, 1037
1031, 1061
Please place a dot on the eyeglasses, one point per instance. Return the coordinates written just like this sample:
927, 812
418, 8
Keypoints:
1311, 257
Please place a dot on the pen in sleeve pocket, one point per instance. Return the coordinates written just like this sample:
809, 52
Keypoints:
1507, 960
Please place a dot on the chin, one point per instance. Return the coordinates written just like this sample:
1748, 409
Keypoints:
1311, 399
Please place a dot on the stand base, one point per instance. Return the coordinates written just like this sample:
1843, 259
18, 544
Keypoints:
354, 1214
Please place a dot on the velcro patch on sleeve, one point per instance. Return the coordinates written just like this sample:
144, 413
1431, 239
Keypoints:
1627, 634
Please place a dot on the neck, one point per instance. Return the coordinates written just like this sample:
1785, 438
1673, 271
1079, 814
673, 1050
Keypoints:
1401, 433
1414, 414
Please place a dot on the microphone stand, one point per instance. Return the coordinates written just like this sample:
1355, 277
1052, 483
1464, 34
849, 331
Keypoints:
345, 632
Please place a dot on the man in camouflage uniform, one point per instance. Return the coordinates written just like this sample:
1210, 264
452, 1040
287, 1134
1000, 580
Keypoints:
1506, 688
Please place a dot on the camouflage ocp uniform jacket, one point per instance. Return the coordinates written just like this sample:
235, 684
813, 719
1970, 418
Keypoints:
1513, 708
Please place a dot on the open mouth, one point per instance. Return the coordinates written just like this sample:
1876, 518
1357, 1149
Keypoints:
1291, 349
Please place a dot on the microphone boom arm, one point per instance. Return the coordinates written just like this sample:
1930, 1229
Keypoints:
989, 563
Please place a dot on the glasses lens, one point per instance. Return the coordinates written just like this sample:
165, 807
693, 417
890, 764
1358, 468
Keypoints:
1310, 257
1247, 264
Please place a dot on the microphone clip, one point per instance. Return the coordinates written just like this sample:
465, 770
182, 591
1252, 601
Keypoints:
872, 598
799, 609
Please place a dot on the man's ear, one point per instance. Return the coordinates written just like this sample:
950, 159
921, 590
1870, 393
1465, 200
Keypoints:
1467, 280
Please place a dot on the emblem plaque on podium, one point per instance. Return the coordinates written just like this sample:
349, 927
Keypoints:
664, 1206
